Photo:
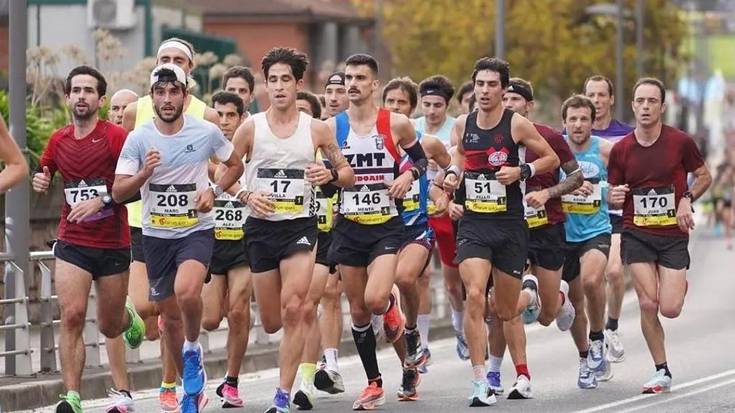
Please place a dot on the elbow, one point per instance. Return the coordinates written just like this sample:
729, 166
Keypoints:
555, 162
349, 180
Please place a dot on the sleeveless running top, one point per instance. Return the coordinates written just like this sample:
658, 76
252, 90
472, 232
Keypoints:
277, 167
587, 216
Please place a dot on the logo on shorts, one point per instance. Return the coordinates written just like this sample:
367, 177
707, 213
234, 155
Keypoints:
154, 292
303, 241
189, 149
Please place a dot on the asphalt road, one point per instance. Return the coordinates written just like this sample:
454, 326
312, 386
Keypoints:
699, 343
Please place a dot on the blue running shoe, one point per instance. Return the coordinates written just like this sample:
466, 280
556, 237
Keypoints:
463, 351
189, 404
596, 359
530, 285
194, 376
281, 403
493, 381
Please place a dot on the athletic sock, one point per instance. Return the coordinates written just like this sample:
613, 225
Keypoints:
232, 381
495, 363
412, 340
596, 335
665, 367
522, 369
612, 324
458, 321
365, 342
191, 345
330, 355
378, 380
423, 323
584, 354
478, 372
307, 370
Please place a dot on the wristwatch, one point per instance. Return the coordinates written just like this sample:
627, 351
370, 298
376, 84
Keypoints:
107, 200
525, 171
335, 175
689, 195
217, 190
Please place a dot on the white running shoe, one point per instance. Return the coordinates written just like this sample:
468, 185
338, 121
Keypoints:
530, 284
565, 317
659, 383
615, 350
586, 379
120, 403
521, 389
482, 395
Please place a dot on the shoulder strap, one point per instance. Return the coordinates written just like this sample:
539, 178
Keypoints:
343, 127
383, 127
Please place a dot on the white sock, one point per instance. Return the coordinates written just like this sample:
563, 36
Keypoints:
190, 345
423, 323
330, 354
458, 321
495, 363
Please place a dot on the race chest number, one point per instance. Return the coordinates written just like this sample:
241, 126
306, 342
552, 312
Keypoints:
286, 186
654, 206
173, 205
485, 194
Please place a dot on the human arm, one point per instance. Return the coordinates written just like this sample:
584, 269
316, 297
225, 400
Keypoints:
340, 173
526, 134
405, 136
451, 178
16, 167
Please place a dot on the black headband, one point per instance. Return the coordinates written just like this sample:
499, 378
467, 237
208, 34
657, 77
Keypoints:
436, 92
521, 89
336, 78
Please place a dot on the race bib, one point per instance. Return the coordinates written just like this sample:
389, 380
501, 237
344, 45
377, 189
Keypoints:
86, 189
411, 200
229, 219
324, 211
367, 204
535, 217
485, 194
286, 186
585, 205
173, 205
654, 206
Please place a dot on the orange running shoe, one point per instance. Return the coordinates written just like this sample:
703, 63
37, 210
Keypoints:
370, 398
393, 320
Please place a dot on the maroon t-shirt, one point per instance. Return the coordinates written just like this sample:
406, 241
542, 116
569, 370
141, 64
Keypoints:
87, 167
548, 179
661, 167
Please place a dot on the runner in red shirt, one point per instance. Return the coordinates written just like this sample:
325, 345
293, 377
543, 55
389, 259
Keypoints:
94, 238
648, 174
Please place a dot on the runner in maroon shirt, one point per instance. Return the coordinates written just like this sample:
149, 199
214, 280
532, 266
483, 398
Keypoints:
647, 172
545, 220
94, 238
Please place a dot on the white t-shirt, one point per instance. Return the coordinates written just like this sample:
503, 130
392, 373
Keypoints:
169, 208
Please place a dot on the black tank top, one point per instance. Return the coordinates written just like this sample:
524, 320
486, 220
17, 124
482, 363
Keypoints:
486, 151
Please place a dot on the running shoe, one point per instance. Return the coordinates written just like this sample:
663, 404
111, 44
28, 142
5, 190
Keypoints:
596, 357
521, 388
615, 350
281, 403
135, 333
167, 400
586, 379
194, 376
411, 380
565, 317
304, 397
463, 350
415, 356
370, 398
70, 403
393, 320
606, 374
229, 396
482, 395
530, 285
494, 382
193, 404
423, 369
121, 403
329, 381
659, 383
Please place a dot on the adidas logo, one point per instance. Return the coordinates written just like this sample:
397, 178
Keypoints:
280, 174
171, 189
364, 189
652, 192
229, 205
303, 241
82, 184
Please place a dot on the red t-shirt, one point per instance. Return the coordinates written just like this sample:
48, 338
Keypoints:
548, 179
87, 166
651, 173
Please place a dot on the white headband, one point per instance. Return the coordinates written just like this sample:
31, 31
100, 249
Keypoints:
176, 45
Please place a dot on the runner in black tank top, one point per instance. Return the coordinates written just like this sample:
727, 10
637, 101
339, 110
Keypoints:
493, 235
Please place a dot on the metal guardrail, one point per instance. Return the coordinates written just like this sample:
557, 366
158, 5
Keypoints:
18, 344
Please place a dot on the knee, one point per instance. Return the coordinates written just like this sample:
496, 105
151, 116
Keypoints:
110, 330
271, 323
648, 306
172, 322
211, 323
377, 303
591, 283
238, 316
152, 331
615, 274
309, 312
406, 282
293, 311
453, 287
73, 317
188, 297
671, 310
475, 299
545, 318
507, 315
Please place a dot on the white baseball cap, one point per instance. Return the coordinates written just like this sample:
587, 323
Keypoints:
168, 72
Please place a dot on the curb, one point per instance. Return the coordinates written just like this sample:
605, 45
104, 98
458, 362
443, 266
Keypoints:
44, 389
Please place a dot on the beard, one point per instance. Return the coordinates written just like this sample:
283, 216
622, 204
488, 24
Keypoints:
84, 113
169, 118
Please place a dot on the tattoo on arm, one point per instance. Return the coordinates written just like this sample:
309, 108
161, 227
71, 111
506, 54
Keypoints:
334, 154
573, 180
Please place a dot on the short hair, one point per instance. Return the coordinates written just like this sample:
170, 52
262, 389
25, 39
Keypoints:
322, 99
523, 82
437, 85
599, 78
286, 55
578, 101
182, 41
241, 72
363, 59
467, 87
316, 107
87, 70
651, 81
405, 84
222, 97
493, 64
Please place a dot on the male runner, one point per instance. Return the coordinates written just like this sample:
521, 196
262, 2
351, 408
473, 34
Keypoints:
464, 96
588, 240
16, 167
229, 290
335, 94
94, 239
600, 90
368, 232
545, 220
436, 92
167, 160
118, 102
400, 96
492, 234
240, 81
308, 103
648, 170
280, 145
180, 53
